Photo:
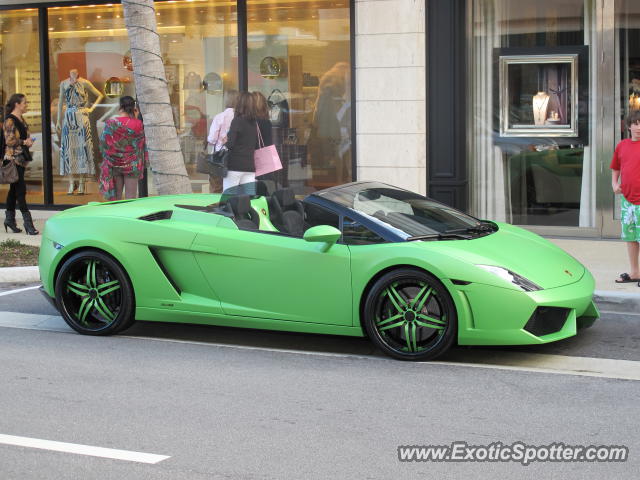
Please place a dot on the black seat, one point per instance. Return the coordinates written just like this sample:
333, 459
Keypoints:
244, 215
287, 213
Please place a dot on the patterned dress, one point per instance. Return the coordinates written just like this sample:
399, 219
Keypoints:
76, 149
123, 149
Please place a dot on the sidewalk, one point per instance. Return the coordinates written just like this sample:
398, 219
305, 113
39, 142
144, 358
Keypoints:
606, 259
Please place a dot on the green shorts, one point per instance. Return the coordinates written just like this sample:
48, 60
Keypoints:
630, 218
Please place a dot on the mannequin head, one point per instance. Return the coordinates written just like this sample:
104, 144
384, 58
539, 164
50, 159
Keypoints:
73, 75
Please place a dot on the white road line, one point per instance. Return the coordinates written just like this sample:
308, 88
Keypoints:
82, 449
10, 292
503, 360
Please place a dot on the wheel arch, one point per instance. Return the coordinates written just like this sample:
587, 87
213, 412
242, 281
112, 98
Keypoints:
86, 248
374, 279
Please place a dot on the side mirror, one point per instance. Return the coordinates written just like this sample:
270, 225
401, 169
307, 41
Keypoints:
323, 234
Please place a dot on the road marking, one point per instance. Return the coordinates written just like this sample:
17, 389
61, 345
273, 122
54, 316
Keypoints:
475, 358
10, 292
76, 448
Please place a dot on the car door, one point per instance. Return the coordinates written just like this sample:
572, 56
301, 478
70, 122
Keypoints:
266, 275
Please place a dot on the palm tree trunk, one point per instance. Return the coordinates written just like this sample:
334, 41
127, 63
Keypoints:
165, 157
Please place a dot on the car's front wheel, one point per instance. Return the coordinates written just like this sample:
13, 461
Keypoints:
94, 294
410, 315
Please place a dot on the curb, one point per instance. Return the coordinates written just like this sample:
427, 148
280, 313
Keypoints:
19, 274
617, 302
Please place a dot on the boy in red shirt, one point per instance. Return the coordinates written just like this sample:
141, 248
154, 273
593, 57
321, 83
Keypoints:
625, 180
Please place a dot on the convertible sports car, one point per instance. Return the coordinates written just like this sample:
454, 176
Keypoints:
361, 259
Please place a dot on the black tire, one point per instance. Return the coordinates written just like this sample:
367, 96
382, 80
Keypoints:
94, 294
410, 315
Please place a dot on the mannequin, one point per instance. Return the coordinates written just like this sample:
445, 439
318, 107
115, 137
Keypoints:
540, 105
76, 142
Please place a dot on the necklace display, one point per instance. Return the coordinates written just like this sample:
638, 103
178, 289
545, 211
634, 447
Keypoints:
540, 104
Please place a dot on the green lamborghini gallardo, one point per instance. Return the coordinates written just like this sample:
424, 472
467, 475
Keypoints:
361, 259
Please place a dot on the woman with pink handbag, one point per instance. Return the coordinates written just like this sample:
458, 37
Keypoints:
266, 156
241, 142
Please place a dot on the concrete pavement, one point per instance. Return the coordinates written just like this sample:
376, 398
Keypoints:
606, 259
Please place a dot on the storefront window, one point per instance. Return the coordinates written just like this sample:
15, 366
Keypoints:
20, 73
91, 69
532, 160
299, 59
628, 71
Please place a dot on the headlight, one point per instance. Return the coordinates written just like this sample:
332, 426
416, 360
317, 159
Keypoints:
511, 277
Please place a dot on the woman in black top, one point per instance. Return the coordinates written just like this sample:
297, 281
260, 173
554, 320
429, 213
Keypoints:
17, 142
241, 142
262, 117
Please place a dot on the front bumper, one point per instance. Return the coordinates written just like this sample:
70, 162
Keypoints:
498, 316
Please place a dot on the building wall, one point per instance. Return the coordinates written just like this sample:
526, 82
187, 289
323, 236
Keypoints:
390, 88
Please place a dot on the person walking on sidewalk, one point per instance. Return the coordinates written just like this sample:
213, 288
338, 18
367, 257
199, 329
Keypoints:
625, 181
17, 144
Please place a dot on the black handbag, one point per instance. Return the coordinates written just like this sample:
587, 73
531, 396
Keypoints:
214, 164
8, 171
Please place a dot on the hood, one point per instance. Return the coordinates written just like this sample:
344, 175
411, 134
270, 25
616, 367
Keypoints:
522, 252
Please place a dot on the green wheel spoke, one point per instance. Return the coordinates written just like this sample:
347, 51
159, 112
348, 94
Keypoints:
91, 274
108, 291
77, 291
107, 285
396, 298
387, 320
435, 326
393, 325
85, 308
414, 336
407, 337
102, 308
421, 298
431, 319
78, 286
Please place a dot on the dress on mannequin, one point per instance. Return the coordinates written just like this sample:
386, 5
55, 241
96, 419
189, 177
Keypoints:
540, 105
76, 142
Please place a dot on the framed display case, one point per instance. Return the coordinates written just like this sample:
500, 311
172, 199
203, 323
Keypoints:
538, 95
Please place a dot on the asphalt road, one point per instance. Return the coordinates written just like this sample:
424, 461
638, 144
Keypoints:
226, 403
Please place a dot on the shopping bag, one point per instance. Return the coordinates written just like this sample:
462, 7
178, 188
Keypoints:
266, 159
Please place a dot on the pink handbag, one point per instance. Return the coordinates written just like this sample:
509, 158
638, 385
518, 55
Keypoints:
266, 159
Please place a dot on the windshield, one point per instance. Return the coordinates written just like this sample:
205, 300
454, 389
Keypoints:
408, 214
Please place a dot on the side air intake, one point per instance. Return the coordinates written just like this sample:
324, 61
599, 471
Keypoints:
152, 217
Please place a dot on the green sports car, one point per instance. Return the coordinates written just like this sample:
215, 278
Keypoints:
361, 259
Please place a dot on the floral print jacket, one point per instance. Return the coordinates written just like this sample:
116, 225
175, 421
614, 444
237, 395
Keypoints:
123, 152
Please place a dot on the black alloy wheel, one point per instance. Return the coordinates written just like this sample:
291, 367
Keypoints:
94, 294
410, 315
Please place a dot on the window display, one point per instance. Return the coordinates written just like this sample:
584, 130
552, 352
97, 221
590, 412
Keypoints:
90, 44
74, 131
20, 73
538, 95
299, 59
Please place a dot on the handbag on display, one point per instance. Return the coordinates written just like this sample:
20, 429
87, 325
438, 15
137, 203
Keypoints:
192, 81
266, 159
8, 171
278, 109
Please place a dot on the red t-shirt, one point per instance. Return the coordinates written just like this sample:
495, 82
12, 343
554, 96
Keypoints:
626, 158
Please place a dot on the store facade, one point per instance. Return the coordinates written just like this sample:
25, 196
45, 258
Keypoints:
297, 53
506, 110
547, 85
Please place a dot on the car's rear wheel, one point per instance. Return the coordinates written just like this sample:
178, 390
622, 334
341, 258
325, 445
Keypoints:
94, 294
410, 315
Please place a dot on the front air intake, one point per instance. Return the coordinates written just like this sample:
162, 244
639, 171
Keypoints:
152, 217
547, 320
